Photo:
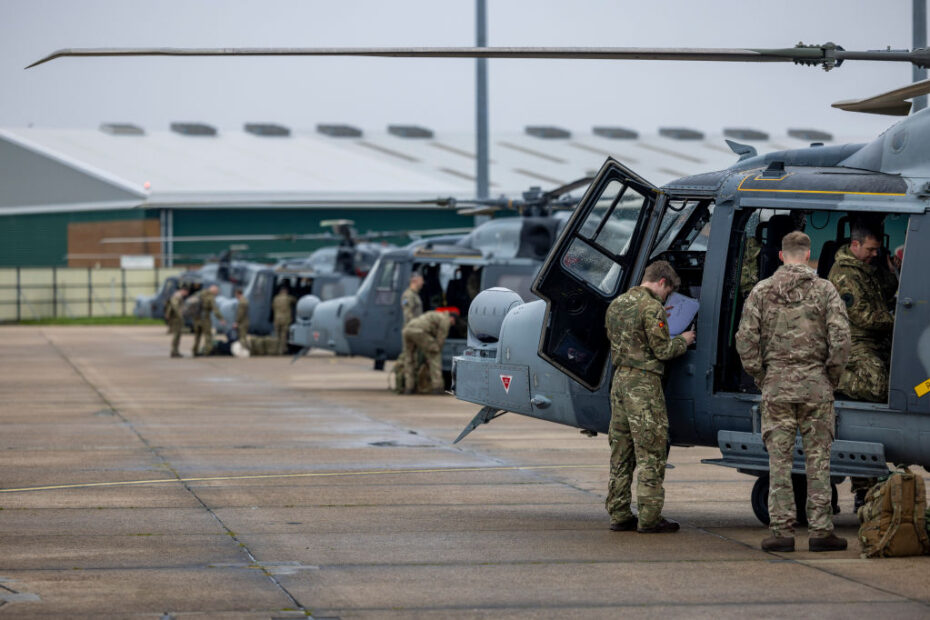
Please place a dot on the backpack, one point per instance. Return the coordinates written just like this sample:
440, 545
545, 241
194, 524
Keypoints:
893, 517
191, 308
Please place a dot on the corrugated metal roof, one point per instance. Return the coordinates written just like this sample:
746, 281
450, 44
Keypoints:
237, 168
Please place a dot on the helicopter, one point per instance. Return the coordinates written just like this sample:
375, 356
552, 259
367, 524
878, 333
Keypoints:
499, 252
549, 358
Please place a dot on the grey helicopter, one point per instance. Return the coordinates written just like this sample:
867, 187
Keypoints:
549, 358
505, 251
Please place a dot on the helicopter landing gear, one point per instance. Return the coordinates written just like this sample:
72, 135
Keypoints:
760, 498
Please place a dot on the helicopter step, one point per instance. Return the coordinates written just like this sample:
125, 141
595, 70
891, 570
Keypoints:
746, 452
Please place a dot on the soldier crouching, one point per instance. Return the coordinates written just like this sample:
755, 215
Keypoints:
793, 339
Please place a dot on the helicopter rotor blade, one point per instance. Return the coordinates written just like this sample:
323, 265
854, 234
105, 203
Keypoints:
893, 102
564, 189
828, 55
222, 238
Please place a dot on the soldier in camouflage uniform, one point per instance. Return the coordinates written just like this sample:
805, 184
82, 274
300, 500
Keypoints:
864, 292
281, 307
175, 319
749, 272
639, 344
426, 334
410, 301
793, 339
202, 325
242, 318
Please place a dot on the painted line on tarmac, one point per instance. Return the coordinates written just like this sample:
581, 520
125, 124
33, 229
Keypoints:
378, 472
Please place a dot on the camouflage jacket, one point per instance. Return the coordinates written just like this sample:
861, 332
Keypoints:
436, 324
412, 305
860, 288
638, 332
749, 272
793, 337
173, 308
242, 312
208, 305
281, 307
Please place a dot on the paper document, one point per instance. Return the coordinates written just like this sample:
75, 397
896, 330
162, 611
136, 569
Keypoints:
682, 312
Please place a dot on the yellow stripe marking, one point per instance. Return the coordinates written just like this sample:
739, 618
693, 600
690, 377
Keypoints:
382, 472
806, 191
922, 388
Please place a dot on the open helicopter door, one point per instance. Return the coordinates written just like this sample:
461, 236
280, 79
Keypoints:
599, 252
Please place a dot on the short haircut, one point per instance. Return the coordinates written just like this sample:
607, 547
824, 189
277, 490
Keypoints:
238, 291
662, 269
859, 232
795, 243
415, 274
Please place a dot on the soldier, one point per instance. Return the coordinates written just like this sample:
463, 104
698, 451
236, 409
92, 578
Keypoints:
864, 294
410, 301
175, 319
639, 344
793, 339
241, 323
427, 333
202, 325
281, 307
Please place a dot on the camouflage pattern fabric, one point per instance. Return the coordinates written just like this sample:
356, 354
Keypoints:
793, 337
638, 332
411, 304
638, 436
175, 321
283, 316
202, 326
242, 319
870, 322
425, 334
749, 272
639, 345
781, 422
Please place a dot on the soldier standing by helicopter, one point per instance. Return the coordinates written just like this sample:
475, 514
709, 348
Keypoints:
281, 307
202, 325
638, 332
863, 292
410, 301
793, 339
175, 319
242, 318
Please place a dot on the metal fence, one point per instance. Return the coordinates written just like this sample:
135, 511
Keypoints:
71, 292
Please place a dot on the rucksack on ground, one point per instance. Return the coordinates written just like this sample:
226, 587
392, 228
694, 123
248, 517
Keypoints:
893, 518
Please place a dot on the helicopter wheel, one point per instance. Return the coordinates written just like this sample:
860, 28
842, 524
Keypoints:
760, 498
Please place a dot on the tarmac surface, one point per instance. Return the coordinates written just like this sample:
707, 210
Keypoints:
134, 485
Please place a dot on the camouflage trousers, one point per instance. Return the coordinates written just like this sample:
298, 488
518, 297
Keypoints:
203, 328
280, 334
174, 328
638, 436
866, 374
416, 340
780, 424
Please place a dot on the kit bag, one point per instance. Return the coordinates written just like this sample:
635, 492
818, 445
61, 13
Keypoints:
892, 522
191, 308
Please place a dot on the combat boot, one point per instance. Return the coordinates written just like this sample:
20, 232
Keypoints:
627, 525
783, 544
664, 526
176, 354
827, 543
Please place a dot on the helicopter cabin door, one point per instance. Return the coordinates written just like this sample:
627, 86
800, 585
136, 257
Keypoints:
595, 258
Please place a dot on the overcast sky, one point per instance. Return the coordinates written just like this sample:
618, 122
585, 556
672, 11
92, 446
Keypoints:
371, 93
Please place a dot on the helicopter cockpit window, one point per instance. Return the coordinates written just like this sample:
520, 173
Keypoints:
387, 284
605, 237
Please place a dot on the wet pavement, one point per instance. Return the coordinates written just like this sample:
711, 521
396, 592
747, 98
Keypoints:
134, 485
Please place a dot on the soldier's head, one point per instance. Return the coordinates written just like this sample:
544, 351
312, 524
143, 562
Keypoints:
795, 248
451, 311
184, 292
284, 289
661, 279
863, 243
416, 281
214, 289
238, 293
